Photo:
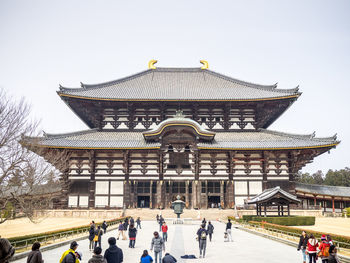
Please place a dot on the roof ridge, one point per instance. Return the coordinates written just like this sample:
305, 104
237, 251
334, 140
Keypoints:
304, 136
105, 84
254, 85
60, 135
332, 186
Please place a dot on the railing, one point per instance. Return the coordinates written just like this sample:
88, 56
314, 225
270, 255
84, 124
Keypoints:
51, 238
282, 233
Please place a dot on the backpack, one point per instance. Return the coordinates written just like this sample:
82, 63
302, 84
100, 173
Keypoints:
325, 251
203, 235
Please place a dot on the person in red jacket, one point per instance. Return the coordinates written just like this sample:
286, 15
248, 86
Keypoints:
312, 245
165, 232
324, 249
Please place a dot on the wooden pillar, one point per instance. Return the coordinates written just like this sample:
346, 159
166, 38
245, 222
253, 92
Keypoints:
257, 209
282, 210
333, 208
315, 201
288, 210
194, 194
160, 194
150, 195
264, 210
278, 210
186, 194
92, 182
222, 195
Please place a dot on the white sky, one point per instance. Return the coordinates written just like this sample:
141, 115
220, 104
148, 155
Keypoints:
47, 43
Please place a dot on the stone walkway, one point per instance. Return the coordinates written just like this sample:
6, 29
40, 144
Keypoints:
245, 248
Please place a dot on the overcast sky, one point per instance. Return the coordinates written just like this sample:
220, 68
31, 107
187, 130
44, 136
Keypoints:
307, 43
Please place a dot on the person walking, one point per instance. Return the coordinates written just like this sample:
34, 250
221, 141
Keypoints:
113, 254
132, 236
157, 218
91, 236
161, 220
70, 253
228, 230
324, 249
6, 250
138, 222
168, 258
158, 245
202, 234
126, 224
204, 222
145, 258
132, 221
104, 226
35, 255
97, 257
333, 257
120, 230
312, 248
98, 236
165, 232
303, 244
210, 230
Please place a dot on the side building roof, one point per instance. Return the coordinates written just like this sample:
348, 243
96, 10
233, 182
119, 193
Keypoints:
259, 140
174, 84
328, 190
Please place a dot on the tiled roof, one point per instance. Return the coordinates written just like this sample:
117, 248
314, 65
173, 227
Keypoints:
178, 84
267, 194
323, 189
261, 139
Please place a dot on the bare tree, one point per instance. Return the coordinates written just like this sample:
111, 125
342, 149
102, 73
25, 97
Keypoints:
27, 180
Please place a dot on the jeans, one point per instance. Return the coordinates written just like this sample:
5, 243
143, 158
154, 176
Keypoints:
165, 236
132, 243
304, 255
138, 225
157, 255
202, 246
312, 257
229, 236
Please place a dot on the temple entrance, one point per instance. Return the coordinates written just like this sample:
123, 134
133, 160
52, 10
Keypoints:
143, 201
213, 201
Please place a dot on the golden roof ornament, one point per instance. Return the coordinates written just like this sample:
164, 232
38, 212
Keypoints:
151, 64
205, 64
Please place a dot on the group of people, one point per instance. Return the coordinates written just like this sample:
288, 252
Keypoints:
205, 231
313, 249
95, 234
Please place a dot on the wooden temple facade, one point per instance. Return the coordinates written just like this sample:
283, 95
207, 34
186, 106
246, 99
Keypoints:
178, 131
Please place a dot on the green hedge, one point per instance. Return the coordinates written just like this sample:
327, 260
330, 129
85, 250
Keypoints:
346, 211
41, 236
317, 234
284, 220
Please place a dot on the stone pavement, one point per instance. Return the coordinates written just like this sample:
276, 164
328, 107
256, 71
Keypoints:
245, 248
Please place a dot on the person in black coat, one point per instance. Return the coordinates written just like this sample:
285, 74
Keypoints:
303, 244
91, 236
210, 230
99, 233
113, 254
104, 226
126, 224
132, 236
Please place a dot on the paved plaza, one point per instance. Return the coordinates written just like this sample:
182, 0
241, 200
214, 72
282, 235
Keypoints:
245, 248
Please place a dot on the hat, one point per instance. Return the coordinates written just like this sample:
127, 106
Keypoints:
323, 237
73, 244
80, 255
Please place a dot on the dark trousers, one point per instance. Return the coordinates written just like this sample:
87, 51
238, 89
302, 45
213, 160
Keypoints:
99, 243
91, 245
132, 243
312, 258
325, 260
210, 236
165, 236
138, 225
202, 246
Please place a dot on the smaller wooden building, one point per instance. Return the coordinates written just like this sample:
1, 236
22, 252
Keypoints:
271, 199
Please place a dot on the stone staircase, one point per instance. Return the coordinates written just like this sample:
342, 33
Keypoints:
208, 214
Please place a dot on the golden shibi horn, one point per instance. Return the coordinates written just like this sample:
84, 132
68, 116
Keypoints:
151, 64
205, 64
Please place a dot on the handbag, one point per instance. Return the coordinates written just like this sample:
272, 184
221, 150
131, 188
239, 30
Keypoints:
96, 236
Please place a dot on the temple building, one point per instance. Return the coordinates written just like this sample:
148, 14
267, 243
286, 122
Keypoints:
191, 132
